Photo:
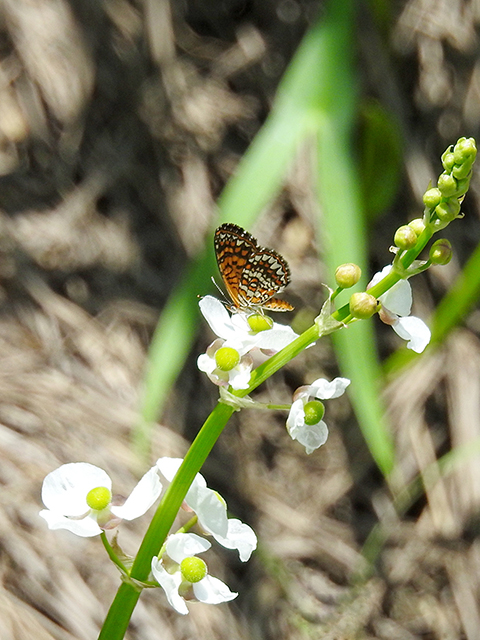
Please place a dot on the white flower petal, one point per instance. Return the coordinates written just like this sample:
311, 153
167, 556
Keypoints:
65, 489
239, 377
85, 528
169, 583
398, 299
311, 436
168, 467
213, 591
276, 338
217, 317
380, 275
210, 509
296, 416
239, 536
206, 364
183, 545
325, 390
141, 498
415, 331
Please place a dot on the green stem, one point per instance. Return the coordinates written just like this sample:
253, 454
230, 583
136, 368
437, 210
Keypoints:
118, 617
112, 555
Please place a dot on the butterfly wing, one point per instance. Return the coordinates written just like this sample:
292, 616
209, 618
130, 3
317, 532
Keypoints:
252, 274
233, 248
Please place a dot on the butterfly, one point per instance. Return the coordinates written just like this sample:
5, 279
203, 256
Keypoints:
252, 274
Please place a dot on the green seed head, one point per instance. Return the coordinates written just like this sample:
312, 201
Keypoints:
259, 322
314, 412
193, 569
99, 498
227, 358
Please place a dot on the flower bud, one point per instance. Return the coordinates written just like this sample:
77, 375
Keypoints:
418, 225
447, 185
405, 237
462, 186
462, 171
99, 498
363, 305
193, 569
448, 159
448, 211
227, 358
465, 150
314, 412
347, 275
441, 251
259, 322
432, 197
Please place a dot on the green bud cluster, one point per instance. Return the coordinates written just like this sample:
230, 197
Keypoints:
442, 203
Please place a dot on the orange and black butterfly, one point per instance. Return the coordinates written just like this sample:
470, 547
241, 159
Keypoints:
252, 274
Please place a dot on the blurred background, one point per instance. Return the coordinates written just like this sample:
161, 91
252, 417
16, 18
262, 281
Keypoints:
121, 122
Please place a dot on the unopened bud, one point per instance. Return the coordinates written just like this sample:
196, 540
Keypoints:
462, 171
441, 251
465, 150
405, 237
447, 185
418, 225
448, 211
432, 197
347, 275
363, 305
448, 159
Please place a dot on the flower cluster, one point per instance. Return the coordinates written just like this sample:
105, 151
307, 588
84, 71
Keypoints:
244, 341
78, 498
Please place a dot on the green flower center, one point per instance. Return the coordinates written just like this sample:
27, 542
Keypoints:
259, 322
193, 569
314, 412
99, 498
227, 358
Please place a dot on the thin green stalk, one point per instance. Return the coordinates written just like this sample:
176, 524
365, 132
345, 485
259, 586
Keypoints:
124, 603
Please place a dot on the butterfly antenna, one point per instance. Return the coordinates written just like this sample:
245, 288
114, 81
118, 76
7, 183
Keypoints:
224, 299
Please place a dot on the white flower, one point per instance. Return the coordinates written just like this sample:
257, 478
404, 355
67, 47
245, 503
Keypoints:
238, 377
312, 436
237, 333
66, 490
395, 311
211, 511
208, 589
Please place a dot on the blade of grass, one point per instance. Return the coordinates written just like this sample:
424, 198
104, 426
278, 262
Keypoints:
342, 226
